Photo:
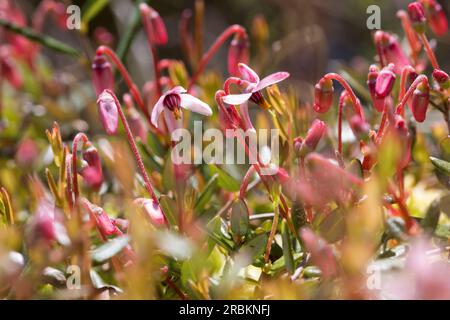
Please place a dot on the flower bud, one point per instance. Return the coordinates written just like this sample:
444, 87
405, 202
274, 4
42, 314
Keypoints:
154, 25
391, 50
92, 174
360, 128
103, 37
102, 75
323, 95
103, 222
372, 76
402, 132
107, 111
152, 210
442, 78
385, 82
237, 53
417, 16
420, 100
315, 133
436, 18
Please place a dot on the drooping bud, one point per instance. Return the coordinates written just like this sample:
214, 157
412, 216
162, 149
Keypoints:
442, 78
417, 16
402, 132
360, 128
420, 100
390, 50
315, 133
107, 111
385, 82
103, 222
436, 18
154, 25
323, 95
372, 76
102, 75
92, 174
238, 52
152, 210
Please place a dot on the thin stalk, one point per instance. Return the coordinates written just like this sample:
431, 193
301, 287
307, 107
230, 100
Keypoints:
231, 30
429, 51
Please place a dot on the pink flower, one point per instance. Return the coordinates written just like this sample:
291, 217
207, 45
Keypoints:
154, 25
315, 133
104, 223
107, 111
176, 98
253, 86
152, 210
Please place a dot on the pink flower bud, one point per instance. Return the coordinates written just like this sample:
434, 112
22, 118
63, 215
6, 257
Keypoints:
237, 53
315, 133
385, 82
102, 75
154, 25
152, 210
104, 223
360, 128
372, 76
323, 95
417, 16
107, 111
436, 18
391, 50
103, 37
92, 174
298, 143
442, 78
282, 176
402, 132
420, 100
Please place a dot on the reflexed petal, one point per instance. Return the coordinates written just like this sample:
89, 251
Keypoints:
271, 79
235, 99
156, 111
176, 90
248, 73
193, 104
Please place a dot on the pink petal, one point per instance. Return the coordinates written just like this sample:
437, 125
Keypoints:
156, 111
248, 73
271, 79
193, 104
235, 99
108, 114
246, 117
177, 90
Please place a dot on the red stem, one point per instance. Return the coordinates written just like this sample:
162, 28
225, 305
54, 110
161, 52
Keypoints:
429, 51
340, 107
246, 181
355, 101
140, 163
409, 92
231, 30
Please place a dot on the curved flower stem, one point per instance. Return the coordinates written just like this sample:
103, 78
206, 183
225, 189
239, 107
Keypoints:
411, 36
409, 92
231, 30
351, 93
80, 136
429, 51
340, 107
401, 91
246, 181
155, 59
140, 163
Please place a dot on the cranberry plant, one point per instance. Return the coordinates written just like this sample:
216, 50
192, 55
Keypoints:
102, 207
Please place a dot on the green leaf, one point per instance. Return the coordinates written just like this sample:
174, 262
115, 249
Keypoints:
441, 165
169, 207
90, 10
287, 247
110, 249
207, 193
239, 218
430, 222
44, 40
255, 247
226, 181
445, 204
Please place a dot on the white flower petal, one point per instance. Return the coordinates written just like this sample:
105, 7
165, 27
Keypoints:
156, 111
235, 99
195, 105
247, 73
271, 79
